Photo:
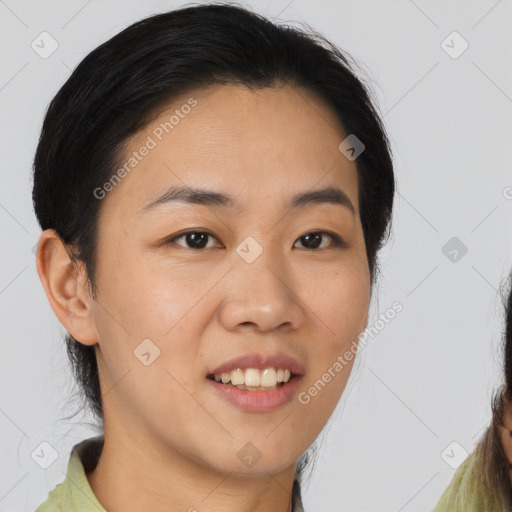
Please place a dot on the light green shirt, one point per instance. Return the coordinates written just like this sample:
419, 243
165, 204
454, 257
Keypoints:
75, 493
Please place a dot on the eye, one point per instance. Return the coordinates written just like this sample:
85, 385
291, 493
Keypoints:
313, 239
195, 239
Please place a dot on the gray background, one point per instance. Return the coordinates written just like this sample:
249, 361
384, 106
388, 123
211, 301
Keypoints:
426, 380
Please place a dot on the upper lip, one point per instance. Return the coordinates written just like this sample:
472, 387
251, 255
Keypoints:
260, 360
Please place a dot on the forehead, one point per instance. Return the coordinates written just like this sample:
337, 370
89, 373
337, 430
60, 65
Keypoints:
260, 146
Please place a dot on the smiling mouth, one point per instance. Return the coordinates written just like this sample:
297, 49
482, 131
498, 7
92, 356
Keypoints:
253, 379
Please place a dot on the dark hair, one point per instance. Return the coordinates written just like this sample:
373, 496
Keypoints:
119, 87
493, 473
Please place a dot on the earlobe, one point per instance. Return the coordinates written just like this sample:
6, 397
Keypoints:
65, 286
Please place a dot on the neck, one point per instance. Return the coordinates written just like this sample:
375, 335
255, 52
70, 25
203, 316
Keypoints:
171, 481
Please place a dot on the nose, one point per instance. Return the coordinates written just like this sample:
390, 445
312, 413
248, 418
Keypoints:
261, 295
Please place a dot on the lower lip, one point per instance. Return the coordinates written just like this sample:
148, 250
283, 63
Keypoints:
258, 401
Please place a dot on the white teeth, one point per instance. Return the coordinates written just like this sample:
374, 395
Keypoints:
237, 377
268, 377
254, 378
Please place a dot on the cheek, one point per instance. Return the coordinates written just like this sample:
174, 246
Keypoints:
137, 303
340, 308
338, 296
151, 300
145, 317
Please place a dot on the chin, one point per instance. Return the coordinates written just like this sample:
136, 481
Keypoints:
249, 461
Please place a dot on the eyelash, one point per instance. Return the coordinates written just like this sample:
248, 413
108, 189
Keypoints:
337, 241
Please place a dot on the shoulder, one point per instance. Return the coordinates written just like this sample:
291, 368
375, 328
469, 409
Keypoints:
54, 501
75, 492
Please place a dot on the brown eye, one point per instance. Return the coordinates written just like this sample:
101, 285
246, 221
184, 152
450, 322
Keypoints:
193, 239
314, 240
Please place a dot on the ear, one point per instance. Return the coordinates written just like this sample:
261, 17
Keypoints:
66, 287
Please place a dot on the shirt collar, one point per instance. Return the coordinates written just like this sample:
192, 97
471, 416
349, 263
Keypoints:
77, 493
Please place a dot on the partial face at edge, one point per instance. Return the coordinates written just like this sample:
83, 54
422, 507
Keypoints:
200, 302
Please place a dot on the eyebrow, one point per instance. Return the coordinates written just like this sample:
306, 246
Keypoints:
205, 197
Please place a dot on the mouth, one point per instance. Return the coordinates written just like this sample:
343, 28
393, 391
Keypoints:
257, 381
253, 379
247, 396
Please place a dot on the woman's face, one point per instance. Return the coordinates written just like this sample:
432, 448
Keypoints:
172, 308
